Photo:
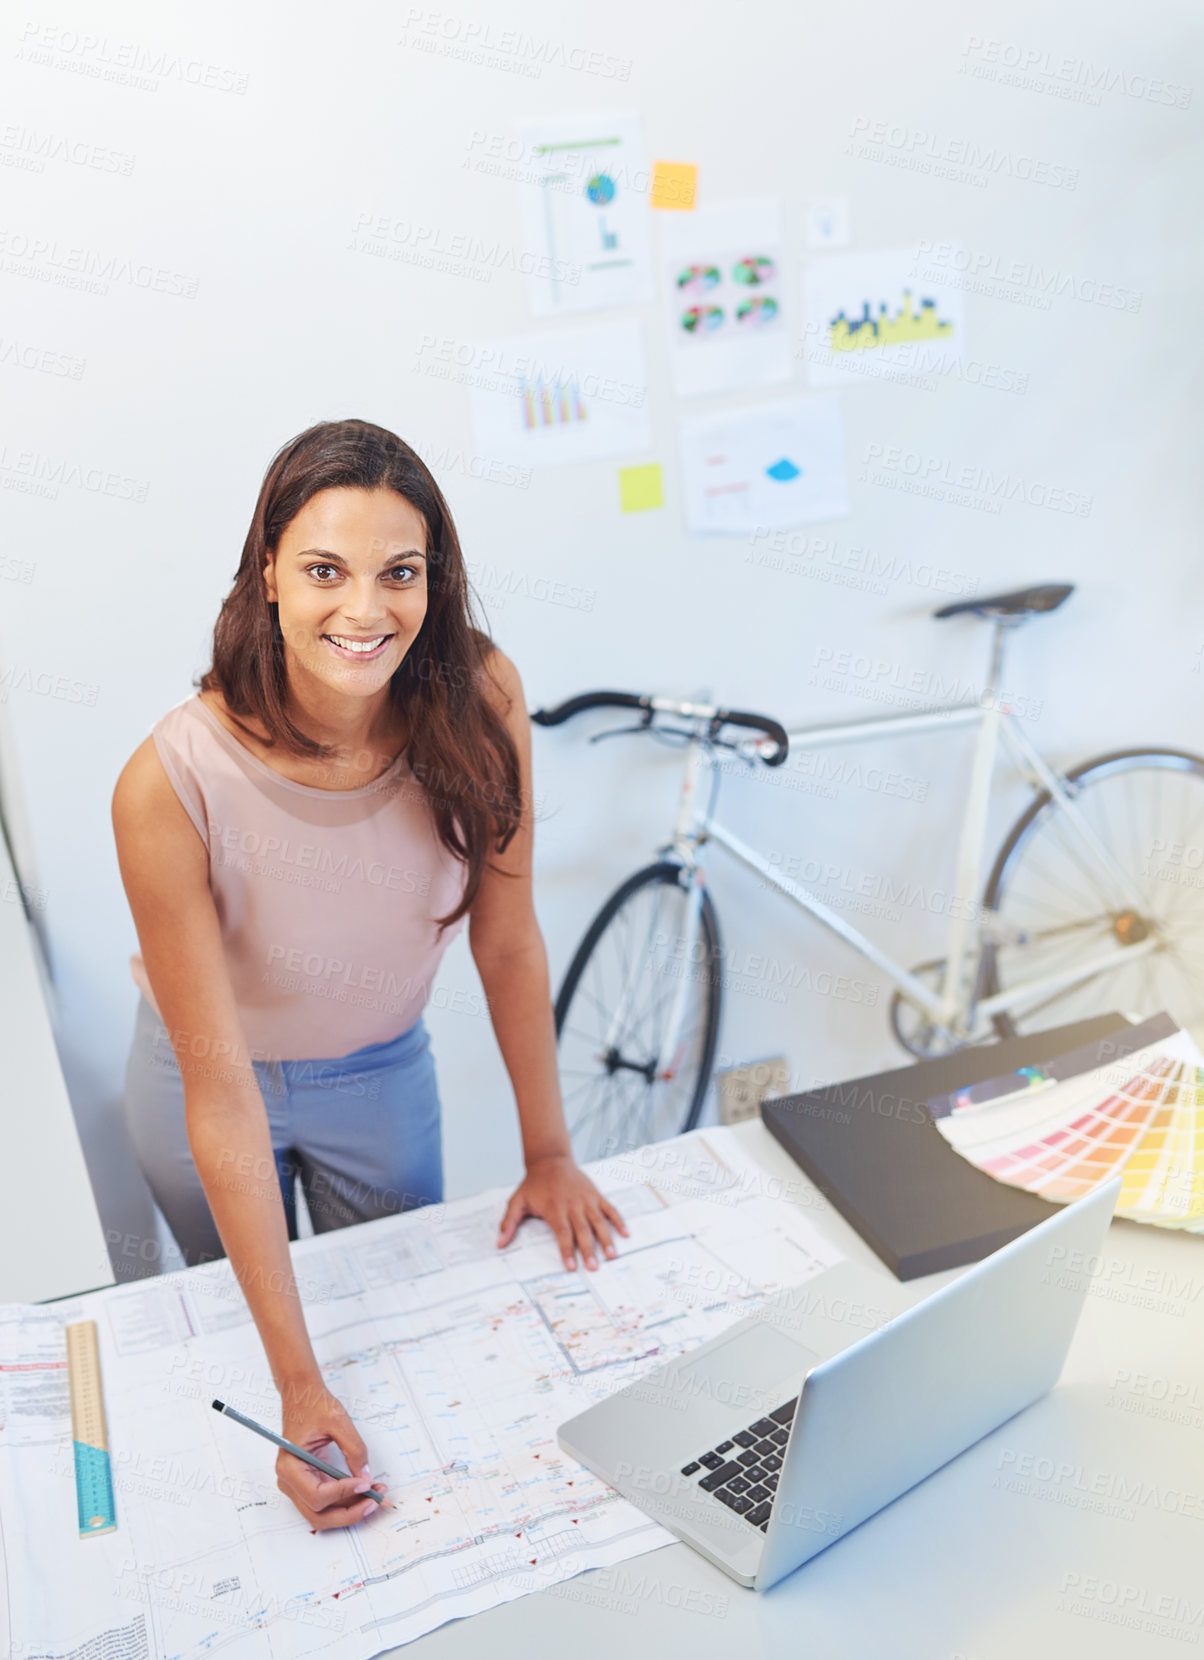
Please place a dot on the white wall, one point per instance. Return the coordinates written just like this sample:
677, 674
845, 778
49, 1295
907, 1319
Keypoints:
255, 193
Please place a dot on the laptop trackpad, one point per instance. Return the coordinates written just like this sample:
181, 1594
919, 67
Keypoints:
757, 1358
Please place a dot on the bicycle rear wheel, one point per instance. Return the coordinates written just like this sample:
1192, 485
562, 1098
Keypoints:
612, 1100
1147, 808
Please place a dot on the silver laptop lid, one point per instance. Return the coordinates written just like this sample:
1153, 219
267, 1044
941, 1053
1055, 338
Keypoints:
883, 1414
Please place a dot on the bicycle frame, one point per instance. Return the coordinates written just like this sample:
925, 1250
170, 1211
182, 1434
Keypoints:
955, 1007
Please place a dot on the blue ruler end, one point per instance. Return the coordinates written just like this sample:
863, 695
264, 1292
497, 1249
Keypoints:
94, 1489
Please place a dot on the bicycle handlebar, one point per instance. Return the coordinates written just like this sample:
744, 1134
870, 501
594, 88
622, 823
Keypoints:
588, 700
772, 729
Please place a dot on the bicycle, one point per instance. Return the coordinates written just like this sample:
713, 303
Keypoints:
1077, 915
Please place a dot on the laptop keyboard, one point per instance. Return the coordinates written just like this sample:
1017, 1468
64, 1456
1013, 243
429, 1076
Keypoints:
743, 1472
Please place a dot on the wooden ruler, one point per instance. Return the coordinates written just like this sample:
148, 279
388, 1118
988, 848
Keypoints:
93, 1470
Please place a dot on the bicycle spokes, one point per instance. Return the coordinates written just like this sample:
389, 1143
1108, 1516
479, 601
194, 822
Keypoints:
1093, 952
637, 1018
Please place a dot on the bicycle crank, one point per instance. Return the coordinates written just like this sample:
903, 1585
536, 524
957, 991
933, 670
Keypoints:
916, 1031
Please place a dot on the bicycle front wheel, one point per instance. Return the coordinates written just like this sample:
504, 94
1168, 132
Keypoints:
621, 1088
1053, 908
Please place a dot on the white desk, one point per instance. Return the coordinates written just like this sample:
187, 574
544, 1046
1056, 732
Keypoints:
1083, 1511
51, 1239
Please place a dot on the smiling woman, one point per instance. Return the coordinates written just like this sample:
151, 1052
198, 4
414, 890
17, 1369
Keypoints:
295, 880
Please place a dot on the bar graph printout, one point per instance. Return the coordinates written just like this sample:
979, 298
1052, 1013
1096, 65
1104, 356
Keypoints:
456, 1361
1062, 1128
571, 394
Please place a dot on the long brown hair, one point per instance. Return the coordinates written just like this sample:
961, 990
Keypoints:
455, 738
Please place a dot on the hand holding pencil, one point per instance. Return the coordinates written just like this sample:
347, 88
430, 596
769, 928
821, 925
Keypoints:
326, 1496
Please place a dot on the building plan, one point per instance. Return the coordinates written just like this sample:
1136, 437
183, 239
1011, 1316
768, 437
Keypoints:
456, 1361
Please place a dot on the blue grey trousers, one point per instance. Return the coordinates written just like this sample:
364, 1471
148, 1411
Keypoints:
362, 1132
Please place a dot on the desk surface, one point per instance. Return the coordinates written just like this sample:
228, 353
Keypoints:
1076, 1528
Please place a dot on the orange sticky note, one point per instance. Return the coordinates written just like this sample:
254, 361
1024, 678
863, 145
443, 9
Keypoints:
674, 184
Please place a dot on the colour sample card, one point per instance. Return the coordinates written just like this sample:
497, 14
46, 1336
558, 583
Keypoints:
877, 316
568, 395
1141, 1118
766, 467
584, 205
726, 315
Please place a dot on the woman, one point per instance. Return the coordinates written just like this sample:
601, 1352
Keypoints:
299, 842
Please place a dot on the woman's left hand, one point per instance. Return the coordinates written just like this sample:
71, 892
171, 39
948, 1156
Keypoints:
562, 1194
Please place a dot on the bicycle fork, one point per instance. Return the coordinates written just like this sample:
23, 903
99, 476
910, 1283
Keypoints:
664, 1065
687, 837
672, 1051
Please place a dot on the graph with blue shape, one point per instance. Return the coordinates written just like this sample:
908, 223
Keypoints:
765, 467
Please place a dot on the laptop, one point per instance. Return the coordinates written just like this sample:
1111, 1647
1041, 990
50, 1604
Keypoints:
768, 1443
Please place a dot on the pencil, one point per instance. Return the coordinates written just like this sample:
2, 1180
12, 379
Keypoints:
376, 1493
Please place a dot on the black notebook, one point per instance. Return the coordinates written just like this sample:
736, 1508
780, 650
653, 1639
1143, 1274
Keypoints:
872, 1149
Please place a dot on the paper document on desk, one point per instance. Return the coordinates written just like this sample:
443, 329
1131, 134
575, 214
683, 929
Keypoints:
457, 1363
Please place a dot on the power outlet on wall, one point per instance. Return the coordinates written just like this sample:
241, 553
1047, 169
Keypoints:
743, 1088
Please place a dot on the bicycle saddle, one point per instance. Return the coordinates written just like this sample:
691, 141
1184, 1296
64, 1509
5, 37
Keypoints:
1021, 602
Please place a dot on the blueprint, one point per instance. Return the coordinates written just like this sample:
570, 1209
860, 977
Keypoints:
456, 1361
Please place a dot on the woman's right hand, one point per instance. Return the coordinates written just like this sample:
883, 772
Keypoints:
315, 1419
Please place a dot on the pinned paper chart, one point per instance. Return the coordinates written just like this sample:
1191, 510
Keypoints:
585, 214
1060, 1133
826, 222
726, 317
569, 395
768, 467
549, 402
876, 316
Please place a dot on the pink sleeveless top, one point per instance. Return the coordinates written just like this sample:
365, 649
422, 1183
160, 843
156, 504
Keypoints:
327, 899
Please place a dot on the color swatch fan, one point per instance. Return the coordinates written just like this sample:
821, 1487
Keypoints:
1060, 1129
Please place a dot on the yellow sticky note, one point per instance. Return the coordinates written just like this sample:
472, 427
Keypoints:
641, 488
674, 184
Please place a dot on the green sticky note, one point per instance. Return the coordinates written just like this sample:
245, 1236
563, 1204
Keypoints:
641, 488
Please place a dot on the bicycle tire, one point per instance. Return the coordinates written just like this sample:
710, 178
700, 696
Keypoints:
589, 1133
1009, 861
